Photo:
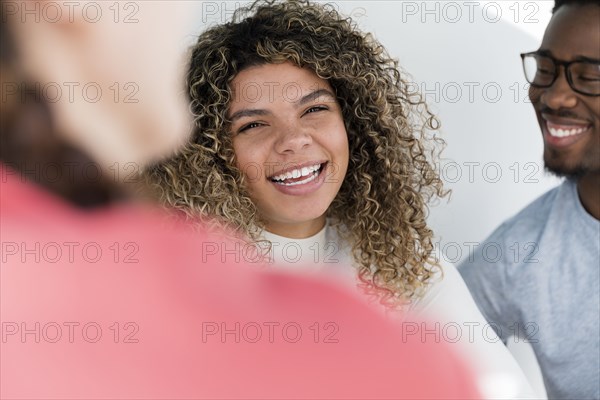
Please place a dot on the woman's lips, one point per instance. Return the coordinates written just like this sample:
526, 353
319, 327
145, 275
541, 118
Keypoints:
298, 174
302, 185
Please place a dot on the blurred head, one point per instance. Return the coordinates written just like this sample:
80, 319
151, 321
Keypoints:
570, 119
264, 64
110, 75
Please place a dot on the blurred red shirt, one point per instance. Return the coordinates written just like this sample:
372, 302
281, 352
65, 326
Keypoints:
112, 304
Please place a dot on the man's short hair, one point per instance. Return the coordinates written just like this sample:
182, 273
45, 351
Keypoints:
559, 3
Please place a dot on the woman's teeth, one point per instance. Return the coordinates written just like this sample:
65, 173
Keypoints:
310, 173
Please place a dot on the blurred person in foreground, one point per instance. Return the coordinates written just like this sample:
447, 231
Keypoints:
549, 294
109, 301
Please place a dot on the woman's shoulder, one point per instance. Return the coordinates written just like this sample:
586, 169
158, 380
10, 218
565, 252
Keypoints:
446, 293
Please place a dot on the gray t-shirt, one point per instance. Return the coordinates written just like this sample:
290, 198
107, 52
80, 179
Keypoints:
537, 277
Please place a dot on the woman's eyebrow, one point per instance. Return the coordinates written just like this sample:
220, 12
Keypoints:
248, 112
252, 112
313, 96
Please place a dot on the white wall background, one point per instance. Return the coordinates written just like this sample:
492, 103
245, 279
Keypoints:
465, 57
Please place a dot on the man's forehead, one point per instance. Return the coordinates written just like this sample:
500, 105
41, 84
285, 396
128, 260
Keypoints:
574, 31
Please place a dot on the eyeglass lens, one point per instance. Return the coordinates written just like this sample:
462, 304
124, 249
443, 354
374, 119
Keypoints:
541, 71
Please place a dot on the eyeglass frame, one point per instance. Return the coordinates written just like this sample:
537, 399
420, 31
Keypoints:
557, 63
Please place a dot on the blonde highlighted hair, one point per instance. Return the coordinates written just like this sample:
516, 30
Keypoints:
382, 203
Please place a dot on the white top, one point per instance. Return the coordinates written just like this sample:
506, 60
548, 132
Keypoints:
447, 305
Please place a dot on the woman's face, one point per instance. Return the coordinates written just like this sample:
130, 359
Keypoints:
290, 143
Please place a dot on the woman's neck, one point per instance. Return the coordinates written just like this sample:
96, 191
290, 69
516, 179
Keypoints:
301, 230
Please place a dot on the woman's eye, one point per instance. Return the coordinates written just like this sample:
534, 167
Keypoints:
249, 126
315, 109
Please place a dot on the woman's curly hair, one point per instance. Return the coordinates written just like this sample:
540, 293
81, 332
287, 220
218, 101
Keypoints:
381, 207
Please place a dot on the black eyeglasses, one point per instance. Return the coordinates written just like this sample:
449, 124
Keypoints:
541, 71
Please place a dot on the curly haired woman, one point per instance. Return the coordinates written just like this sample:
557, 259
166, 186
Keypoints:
307, 138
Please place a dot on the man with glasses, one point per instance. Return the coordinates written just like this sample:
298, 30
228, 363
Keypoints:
549, 294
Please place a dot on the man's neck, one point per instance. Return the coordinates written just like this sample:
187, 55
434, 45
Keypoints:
589, 193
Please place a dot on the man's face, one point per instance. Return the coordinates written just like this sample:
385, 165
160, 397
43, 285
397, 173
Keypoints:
570, 121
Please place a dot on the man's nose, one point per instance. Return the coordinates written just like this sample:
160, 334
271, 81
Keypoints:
559, 94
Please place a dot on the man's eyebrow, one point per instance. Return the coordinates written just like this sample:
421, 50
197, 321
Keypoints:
546, 52
247, 112
588, 59
313, 96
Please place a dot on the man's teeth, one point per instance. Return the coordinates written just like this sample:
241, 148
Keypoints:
565, 132
297, 173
